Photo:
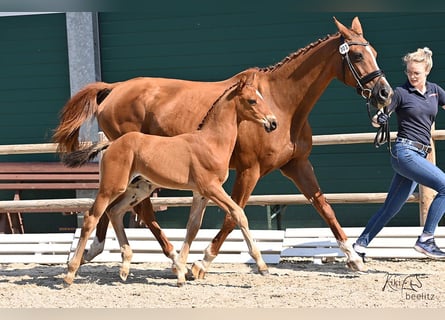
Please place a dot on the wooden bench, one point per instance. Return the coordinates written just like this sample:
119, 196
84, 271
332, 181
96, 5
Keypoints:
146, 248
319, 243
19, 176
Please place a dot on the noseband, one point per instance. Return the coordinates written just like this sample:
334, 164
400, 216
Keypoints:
361, 81
383, 133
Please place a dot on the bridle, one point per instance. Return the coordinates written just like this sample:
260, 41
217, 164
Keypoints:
361, 81
383, 133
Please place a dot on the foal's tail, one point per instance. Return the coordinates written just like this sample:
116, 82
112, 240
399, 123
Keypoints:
79, 157
77, 110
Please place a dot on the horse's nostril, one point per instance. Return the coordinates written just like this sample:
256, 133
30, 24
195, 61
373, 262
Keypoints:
273, 124
270, 124
384, 93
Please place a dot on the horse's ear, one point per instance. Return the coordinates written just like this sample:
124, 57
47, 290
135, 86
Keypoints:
357, 26
242, 82
252, 78
343, 30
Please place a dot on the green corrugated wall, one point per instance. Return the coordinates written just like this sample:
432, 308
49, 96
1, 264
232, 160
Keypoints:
34, 85
192, 43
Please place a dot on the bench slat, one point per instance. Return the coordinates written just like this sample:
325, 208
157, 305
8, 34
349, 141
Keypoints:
39, 167
49, 186
48, 176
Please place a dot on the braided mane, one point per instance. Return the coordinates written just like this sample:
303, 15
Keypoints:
294, 55
215, 103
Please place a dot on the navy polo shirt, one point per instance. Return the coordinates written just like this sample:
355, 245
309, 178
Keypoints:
416, 112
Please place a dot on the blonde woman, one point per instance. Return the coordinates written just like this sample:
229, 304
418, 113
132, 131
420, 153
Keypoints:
416, 104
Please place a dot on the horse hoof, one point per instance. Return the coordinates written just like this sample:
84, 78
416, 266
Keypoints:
264, 272
68, 280
85, 258
198, 270
356, 265
123, 275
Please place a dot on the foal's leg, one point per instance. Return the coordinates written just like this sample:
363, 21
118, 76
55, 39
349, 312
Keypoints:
98, 244
302, 174
194, 223
243, 187
134, 194
89, 223
146, 212
116, 215
223, 200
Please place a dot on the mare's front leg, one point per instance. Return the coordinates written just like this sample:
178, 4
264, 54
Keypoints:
193, 224
243, 187
302, 174
91, 218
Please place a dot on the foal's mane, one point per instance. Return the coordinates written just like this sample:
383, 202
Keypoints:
215, 103
296, 54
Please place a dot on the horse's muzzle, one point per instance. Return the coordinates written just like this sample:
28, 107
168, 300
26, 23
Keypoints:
381, 94
270, 123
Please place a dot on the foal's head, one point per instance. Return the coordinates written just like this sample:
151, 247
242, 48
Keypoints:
251, 105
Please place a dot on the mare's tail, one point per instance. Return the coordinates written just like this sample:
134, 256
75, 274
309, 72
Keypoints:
77, 110
79, 157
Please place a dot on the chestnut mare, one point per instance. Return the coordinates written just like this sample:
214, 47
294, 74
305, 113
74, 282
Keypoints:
197, 161
291, 88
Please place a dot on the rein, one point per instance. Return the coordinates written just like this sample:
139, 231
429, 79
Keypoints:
383, 132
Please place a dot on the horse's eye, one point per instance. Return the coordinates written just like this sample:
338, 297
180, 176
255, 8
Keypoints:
251, 101
357, 57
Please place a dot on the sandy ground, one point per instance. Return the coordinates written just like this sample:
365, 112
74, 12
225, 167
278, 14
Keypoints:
290, 284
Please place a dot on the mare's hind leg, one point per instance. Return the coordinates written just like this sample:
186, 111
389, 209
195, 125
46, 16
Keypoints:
89, 223
302, 174
146, 212
193, 224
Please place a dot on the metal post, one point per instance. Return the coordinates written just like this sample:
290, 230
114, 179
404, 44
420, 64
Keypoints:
84, 68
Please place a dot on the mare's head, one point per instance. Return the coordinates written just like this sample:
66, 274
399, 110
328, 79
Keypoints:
250, 103
359, 68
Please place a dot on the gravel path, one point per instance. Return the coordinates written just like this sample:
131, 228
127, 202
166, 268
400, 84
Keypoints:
291, 284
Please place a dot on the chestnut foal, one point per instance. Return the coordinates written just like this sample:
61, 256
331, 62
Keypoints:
136, 164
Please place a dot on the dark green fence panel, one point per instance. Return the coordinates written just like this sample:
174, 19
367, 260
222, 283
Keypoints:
34, 85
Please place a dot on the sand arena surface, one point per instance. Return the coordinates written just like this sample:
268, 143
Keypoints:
415, 283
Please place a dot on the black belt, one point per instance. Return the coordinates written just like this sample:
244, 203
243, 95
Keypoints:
416, 144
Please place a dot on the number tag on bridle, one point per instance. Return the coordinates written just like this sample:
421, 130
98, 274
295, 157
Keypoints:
344, 48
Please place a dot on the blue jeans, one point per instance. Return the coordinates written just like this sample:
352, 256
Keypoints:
411, 168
